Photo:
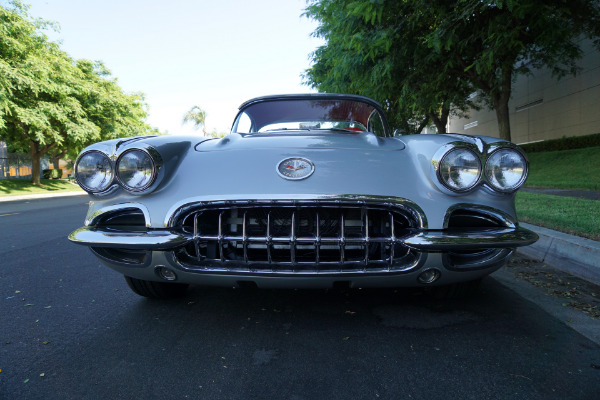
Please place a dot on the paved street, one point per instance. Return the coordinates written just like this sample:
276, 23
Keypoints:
71, 329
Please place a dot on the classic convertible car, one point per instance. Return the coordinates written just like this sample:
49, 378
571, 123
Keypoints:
308, 191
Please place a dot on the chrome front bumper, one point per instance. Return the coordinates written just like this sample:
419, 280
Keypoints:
422, 240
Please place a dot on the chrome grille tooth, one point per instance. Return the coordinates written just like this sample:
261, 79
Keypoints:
393, 240
318, 241
269, 241
293, 240
366, 238
220, 237
342, 240
245, 237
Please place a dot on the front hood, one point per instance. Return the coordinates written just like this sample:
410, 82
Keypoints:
302, 140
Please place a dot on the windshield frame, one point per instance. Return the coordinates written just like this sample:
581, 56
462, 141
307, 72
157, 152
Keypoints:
313, 97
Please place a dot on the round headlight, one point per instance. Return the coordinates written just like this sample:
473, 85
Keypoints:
94, 172
506, 170
460, 169
135, 170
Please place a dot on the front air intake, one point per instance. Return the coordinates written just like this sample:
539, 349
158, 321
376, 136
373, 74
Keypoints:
309, 237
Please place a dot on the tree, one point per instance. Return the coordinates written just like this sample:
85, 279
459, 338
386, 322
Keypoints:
197, 116
373, 48
491, 43
434, 53
49, 102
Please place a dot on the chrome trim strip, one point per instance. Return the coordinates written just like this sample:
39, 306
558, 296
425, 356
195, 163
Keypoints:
420, 240
462, 239
149, 240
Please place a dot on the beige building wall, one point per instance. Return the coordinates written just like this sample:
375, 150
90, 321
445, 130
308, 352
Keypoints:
543, 108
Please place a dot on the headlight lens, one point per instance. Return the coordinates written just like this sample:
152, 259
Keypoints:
135, 170
506, 170
94, 172
460, 169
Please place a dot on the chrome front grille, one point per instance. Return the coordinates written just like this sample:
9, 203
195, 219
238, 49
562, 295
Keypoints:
298, 237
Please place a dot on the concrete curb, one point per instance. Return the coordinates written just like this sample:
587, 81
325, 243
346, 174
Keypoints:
40, 196
575, 255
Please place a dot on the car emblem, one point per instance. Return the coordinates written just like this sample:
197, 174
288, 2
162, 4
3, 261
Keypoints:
295, 168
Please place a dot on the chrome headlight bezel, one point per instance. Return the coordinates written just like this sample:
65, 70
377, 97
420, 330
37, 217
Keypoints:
446, 152
99, 190
488, 169
156, 164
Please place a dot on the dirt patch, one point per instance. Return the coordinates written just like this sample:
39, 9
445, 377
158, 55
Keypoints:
577, 293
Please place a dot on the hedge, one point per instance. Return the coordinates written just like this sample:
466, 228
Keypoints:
565, 143
52, 173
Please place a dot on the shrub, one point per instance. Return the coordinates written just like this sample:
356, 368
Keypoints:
56, 173
565, 143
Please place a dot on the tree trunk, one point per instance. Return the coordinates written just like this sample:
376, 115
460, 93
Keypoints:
35, 163
500, 102
441, 120
501, 107
36, 154
56, 159
423, 124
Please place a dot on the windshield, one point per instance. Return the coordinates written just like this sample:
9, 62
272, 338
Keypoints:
299, 115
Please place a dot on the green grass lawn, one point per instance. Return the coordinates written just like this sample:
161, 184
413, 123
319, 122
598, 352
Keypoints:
579, 217
567, 169
18, 187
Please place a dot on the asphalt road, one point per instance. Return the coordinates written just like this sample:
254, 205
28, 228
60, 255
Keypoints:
71, 329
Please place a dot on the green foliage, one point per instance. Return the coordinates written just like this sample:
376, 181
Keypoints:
565, 143
422, 59
52, 173
196, 116
372, 51
48, 101
566, 169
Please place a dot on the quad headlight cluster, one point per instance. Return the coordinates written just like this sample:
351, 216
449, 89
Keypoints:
460, 169
135, 170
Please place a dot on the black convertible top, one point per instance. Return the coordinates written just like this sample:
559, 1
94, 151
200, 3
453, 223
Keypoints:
313, 96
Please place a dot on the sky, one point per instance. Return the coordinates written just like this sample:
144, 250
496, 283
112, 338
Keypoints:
182, 53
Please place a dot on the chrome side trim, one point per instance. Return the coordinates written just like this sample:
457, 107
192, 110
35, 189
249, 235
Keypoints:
462, 239
149, 240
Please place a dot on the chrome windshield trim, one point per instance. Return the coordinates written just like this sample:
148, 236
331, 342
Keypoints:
470, 239
148, 240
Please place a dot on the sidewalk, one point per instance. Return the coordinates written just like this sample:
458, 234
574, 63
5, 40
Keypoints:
40, 196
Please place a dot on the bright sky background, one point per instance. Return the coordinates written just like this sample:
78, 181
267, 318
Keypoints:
212, 53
